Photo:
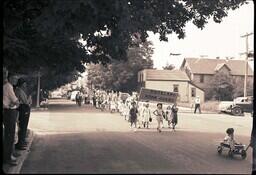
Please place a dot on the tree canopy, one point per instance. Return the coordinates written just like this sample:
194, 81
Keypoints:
45, 34
224, 87
122, 75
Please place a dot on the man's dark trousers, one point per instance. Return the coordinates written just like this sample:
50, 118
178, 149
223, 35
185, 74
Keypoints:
24, 113
197, 106
9, 121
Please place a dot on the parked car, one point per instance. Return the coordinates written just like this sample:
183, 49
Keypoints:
238, 106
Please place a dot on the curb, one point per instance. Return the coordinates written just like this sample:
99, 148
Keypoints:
39, 109
24, 153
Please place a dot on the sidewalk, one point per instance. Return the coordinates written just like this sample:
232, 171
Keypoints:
191, 110
24, 153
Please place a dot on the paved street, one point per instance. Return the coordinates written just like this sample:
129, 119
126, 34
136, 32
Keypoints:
70, 139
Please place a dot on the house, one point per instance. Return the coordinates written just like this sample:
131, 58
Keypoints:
172, 81
200, 70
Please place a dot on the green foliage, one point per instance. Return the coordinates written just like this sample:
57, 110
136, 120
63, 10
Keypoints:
224, 87
122, 75
221, 87
45, 33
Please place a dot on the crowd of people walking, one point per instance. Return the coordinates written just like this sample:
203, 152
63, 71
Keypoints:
139, 114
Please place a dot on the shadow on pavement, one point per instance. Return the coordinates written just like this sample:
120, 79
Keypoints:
129, 152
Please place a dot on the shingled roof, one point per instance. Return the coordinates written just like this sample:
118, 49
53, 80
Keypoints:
166, 75
208, 66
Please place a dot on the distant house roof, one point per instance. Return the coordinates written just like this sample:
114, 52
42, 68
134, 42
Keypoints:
196, 86
209, 66
220, 65
166, 75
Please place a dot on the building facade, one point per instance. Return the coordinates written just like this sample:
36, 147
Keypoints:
172, 81
201, 71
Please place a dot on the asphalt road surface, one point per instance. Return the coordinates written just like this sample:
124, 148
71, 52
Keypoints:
70, 139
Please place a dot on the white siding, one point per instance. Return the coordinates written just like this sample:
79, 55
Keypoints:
199, 93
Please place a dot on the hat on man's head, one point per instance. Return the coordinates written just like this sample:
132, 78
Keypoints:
21, 81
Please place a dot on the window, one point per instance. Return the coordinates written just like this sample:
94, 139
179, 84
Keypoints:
201, 78
175, 88
193, 92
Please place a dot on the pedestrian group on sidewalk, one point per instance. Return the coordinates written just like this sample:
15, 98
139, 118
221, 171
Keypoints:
16, 112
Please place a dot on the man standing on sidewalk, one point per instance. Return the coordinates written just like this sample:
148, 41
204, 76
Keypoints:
197, 104
10, 104
24, 113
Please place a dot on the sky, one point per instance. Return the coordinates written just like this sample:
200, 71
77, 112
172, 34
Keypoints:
215, 40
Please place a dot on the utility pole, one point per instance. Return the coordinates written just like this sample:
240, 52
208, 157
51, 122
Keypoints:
246, 62
38, 91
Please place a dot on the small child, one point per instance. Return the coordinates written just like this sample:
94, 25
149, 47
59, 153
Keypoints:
134, 115
229, 139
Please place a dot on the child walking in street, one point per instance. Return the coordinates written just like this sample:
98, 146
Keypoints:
159, 116
146, 115
169, 115
140, 116
133, 115
174, 116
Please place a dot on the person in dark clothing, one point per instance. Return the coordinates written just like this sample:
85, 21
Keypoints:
94, 100
197, 105
24, 113
174, 116
77, 97
133, 115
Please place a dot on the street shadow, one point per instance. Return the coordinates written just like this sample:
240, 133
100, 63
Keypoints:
129, 152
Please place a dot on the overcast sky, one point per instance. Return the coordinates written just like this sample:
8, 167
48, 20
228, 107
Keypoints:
215, 40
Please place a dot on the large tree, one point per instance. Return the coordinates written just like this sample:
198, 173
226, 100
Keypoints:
224, 87
122, 75
44, 34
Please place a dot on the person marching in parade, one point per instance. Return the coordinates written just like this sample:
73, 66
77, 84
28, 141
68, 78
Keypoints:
146, 115
159, 116
133, 115
174, 116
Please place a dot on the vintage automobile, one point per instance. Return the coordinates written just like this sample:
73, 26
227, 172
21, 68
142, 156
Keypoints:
238, 106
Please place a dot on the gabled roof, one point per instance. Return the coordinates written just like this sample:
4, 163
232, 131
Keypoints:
208, 66
166, 75
220, 65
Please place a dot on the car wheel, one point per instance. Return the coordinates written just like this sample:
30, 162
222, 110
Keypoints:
243, 154
237, 111
219, 149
